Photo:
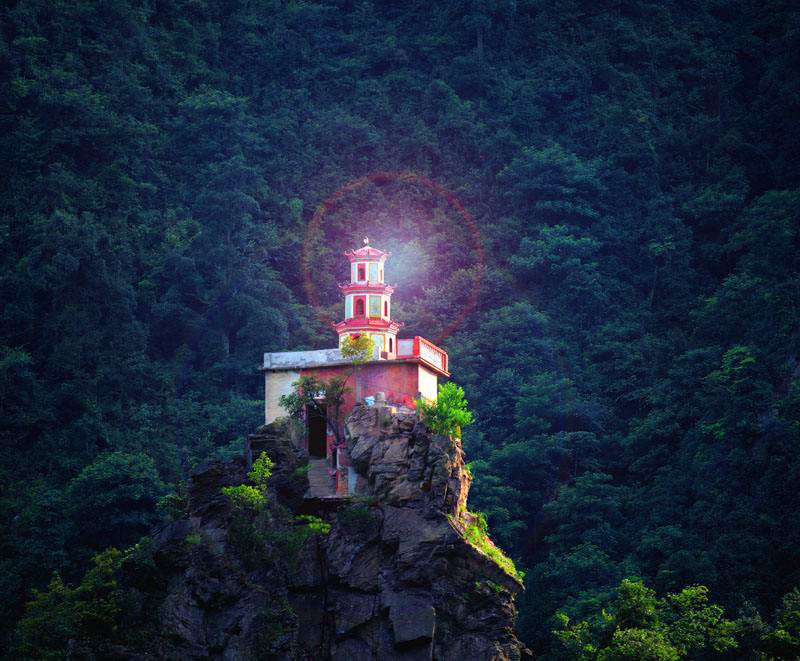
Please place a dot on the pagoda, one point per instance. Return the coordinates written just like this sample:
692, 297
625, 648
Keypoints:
367, 302
399, 372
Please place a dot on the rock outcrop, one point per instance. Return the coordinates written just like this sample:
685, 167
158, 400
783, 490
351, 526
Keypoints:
392, 578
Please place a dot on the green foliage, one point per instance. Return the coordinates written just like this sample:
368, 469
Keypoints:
115, 499
261, 471
476, 532
301, 472
356, 518
309, 391
638, 625
61, 612
245, 496
173, 506
358, 350
315, 525
631, 352
193, 539
782, 640
449, 413
252, 496
275, 625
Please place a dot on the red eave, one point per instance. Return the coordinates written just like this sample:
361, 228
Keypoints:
366, 287
356, 323
367, 252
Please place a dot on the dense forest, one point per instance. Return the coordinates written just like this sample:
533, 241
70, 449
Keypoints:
593, 206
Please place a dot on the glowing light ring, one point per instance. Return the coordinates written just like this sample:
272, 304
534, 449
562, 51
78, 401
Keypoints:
405, 177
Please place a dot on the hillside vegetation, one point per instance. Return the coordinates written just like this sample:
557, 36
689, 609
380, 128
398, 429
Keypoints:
628, 341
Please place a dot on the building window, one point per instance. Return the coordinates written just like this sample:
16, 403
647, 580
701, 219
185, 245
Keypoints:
391, 347
359, 307
361, 273
375, 307
386, 308
381, 275
348, 307
373, 272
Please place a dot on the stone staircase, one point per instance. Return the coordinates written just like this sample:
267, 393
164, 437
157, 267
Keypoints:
321, 484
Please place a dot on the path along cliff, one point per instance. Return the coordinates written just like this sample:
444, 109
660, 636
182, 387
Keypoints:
389, 574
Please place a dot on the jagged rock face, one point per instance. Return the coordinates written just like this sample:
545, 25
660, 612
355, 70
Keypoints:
404, 583
393, 579
404, 464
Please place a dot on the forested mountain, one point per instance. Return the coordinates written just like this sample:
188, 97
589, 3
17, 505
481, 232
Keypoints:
627, 307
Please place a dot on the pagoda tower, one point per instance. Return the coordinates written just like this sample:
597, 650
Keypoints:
368, 302
400, 370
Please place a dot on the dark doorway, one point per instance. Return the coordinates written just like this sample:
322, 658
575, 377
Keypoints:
317, 432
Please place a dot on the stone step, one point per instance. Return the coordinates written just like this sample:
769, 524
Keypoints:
321, 483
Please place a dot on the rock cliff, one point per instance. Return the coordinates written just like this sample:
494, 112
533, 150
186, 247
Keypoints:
393, 577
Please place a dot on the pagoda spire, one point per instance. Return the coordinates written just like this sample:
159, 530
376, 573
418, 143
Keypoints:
368, 301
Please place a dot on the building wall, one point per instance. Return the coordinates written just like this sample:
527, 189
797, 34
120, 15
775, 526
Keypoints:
428, 383
400, 381
277, 383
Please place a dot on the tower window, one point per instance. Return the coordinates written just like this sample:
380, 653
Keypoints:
386, 308
359, 307
362, 272
391, 345
375, 307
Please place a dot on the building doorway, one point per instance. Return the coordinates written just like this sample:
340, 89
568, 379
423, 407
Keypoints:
317, 431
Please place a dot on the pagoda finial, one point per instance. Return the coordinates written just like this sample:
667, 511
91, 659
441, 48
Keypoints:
366, 240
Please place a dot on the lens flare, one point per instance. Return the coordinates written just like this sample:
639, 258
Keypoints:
409, 178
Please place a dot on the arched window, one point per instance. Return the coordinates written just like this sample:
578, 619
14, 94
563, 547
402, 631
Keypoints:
359, 307
386, 308
362, 272
391, 345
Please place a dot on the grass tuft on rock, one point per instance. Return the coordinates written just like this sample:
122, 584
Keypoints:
476, 532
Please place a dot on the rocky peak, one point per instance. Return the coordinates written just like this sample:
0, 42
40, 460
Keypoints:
392, 578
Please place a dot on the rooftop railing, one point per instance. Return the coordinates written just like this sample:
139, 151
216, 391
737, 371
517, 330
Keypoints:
419, 347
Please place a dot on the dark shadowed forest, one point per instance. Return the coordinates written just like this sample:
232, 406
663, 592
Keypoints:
623, 314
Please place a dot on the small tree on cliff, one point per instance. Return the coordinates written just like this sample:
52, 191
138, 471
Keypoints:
449, 413
325, 398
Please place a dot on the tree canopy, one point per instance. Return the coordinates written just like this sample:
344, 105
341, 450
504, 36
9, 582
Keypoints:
605, 197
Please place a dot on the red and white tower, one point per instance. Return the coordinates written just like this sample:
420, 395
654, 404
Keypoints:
368, 302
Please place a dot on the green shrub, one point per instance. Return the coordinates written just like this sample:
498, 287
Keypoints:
288, 540
193, 539
245, 496
449, 413
476, 532
60, 613
355, 518
249, 497
261, 470
315, 525
301, 472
